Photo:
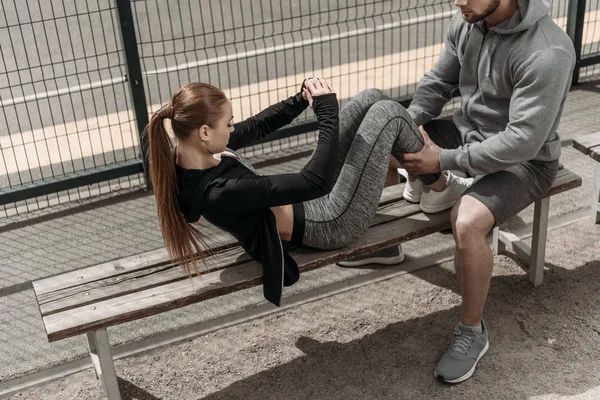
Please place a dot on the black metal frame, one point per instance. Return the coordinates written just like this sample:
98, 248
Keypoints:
135, 79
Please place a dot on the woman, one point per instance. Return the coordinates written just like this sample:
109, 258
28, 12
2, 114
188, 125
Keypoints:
328, 204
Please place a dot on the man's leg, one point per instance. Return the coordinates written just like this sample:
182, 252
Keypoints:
490, 201
473, 260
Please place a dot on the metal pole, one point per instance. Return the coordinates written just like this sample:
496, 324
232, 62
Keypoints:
575, 19
134, 76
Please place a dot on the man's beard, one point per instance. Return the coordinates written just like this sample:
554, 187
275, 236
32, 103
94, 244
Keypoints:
472, 18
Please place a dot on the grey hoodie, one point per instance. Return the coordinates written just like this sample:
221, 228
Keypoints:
513, 78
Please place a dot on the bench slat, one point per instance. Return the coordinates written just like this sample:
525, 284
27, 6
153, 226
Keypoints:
152, 258
151, 276
181, 293
391, 194
595, 153
587, 142
121, 266
565, 180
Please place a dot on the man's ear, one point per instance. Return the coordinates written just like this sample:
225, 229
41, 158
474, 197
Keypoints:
204, 133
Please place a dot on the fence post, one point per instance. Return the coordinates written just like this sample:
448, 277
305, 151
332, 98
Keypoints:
135, 79
575, 19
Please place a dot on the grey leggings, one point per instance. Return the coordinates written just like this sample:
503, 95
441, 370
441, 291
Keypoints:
372, 126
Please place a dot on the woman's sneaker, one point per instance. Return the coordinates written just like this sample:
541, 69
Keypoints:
433, 201
412, 191
390, 256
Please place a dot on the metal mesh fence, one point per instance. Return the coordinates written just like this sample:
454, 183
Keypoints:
64, 103
591, 37
259, 52
66, 106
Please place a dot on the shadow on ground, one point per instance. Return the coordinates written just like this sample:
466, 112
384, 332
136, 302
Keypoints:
542, 342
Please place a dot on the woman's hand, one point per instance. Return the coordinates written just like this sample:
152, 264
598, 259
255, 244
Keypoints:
315, 87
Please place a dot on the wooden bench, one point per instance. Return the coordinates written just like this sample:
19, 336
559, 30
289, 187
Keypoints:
89, 300
590, 145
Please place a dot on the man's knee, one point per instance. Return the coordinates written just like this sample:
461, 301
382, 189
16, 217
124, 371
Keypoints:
470, 219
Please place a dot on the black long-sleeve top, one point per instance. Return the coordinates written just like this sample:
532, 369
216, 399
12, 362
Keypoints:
236, 199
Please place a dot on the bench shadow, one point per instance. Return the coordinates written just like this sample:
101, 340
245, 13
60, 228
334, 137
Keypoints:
532, 330
130, 391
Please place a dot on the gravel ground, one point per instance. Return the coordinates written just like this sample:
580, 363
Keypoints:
382, 341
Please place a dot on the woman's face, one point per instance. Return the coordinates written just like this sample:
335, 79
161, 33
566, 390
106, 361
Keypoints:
218, 136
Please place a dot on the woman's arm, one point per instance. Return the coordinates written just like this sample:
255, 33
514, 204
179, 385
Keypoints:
267, 121
315, 180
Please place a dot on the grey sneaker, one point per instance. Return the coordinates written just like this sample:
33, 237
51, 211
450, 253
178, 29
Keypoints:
459, 362
390, 256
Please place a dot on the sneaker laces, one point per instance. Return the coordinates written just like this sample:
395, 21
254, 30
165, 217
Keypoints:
461, 342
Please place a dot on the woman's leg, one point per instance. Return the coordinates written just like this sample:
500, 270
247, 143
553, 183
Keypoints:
339, 218
351, 117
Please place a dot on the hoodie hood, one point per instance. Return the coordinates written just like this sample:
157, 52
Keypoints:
192, 185
527, 15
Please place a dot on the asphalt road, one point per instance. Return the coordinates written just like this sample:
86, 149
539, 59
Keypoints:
62, 61
74, 46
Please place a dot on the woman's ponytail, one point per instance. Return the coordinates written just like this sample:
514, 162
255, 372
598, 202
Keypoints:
182, 240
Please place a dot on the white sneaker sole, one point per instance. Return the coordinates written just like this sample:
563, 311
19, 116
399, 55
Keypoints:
411, 199
375, 260
471, 371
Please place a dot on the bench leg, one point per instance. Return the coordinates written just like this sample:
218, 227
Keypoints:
498, 246
103, 363
538, 241
596, 197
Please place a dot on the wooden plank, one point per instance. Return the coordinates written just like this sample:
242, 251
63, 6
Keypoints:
148, 260
565, 180
586, 142
140, 279
181, 293
391, 194
595, 153
122, 266
133, 281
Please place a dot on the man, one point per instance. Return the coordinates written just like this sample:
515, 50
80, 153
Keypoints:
513, 66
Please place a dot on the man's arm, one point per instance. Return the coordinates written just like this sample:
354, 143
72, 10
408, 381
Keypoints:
541, 86
436, 87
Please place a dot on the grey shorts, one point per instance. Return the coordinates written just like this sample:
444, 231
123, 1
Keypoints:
505, 193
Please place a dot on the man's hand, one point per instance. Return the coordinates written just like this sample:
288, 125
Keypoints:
427, 161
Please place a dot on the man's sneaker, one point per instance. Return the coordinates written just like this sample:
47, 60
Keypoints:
459, 362
433, 201
412, 191
390, 256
